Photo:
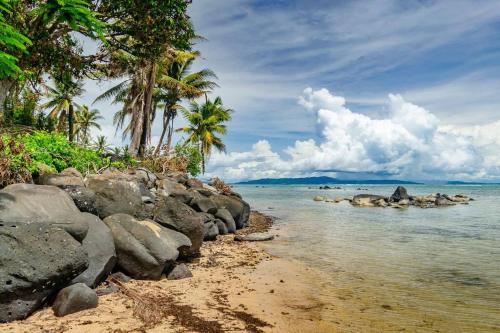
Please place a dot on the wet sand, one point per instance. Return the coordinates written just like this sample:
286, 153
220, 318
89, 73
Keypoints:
236, 287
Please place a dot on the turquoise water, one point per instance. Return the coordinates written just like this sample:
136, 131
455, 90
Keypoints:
429, 270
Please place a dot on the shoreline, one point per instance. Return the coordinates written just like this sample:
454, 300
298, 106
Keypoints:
236, 286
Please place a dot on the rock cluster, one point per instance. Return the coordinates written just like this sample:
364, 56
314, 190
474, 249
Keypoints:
61, 238
401, 199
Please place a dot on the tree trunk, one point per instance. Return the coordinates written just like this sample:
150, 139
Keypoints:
170, 133
5, 87
166, 121
202, 162
148, 102
71, 121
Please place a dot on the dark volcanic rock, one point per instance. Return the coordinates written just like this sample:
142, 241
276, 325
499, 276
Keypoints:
67, 177
239, 209
399, 194
101, 250
84, 198
185, 196
194, 183
210, 231
180, 271
204, 205
75, 298
144, 248
35, 260
122, 277
172, 213
42, 204
224, 215
222, 227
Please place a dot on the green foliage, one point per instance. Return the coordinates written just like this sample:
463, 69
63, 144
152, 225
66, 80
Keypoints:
192, 155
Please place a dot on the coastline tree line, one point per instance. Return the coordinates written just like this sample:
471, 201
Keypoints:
147, 46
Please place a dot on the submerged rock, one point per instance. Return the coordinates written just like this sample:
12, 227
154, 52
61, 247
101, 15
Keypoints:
367, 200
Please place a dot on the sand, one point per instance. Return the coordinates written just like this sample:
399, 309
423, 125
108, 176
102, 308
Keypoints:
236, 287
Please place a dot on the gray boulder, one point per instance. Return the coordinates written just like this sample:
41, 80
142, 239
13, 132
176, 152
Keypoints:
194, 183
255, 237
443, 201
224, 215
180, 271
75, 298
239, 209
399, 194
42, 204
100, 247
185, 196
35, 260
145, 248
204, 205
67, 177
222, 227
84, 198
172, 213
367, 200
168, 186
144, 176
116, 193
210, 231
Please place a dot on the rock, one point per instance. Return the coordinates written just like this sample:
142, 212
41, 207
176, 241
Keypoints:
399, 194
381, 203
144, 248
404, 202
194, 183
75, 298
203, 191
461, 198
145, 176
180, 271
255, 237
172, 213
120, 276
204, 205
146, 200
338, 199
84, 198
210, 231
319, 198
100, 247
168, 186
67, 177
366, 200
239, 209
179, 177
116, 193
222, 227
442, 201
186, 196
42, 204
326, 187
224, 215
35, 260
110, 289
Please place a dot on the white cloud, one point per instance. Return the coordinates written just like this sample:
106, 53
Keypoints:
409, 142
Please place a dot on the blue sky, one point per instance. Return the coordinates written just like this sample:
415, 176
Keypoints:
440, 60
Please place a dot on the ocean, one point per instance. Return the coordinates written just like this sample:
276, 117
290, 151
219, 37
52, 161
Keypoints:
392, 270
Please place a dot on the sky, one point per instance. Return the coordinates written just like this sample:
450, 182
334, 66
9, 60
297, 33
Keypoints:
351, 89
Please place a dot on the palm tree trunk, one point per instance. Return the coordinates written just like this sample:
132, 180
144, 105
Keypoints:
170, 133
71, 121
146, 124
203, 162
166, 121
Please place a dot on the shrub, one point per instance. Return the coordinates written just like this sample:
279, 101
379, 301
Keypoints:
14, 162
186, 159
222, 187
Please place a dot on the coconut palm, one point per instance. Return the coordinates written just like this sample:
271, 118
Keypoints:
204, 122
61, 101
176, 82
86, 120
101, 144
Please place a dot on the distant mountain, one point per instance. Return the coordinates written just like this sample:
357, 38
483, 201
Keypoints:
458, 182
322, 180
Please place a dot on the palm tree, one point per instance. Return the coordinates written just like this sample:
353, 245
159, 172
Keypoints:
85, 120
176, 82
61, 102
101, 144
206, 120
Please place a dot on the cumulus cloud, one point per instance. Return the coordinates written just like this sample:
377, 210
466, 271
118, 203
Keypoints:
409, 142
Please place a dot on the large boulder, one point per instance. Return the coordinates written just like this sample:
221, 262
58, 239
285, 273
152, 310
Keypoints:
144, 176
210, 231
145, 248
84, 198
224, 215
186, 196
75, 298
116, 193
239, 209
399, 194
204, 205
174, 214
67, 177
42, 204
180, 271
101, 251
194, 183
367, 200
35, 260
168, 186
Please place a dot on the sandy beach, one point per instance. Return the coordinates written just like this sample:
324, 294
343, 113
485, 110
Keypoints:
236, 287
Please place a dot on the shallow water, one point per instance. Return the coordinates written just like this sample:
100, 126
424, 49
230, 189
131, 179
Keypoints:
413, 270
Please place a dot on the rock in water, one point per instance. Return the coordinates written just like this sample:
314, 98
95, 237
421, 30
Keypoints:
42, 204
399, 194
255, 237
180, 271
75, 298
101, 250
35, 261
172, 213
239, 209
145, 248
224, 215
318, 198
443, 201
366, 200
116, 193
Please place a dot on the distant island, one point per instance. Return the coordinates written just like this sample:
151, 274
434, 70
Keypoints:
323, 181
